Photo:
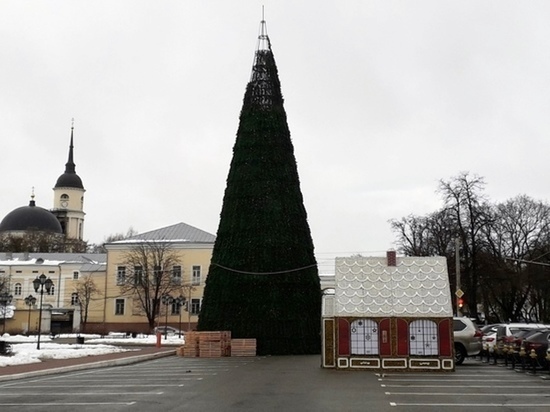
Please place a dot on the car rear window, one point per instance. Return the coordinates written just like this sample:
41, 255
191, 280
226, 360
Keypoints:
458, 325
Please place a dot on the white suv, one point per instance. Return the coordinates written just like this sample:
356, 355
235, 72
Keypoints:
467, 338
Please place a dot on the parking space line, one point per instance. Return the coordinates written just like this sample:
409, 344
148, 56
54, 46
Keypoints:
462, 386
70, 404
476, 405
95, 394
110, 386
468, 394
449, 380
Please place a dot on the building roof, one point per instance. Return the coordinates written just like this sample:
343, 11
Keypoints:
37, 258
180, 232
414, 287
30, 217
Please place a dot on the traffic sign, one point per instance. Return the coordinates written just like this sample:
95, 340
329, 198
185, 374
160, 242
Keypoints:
459, 293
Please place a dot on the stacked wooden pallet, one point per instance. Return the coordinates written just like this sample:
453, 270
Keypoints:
191, 346
214, 344
243, 347
206, 344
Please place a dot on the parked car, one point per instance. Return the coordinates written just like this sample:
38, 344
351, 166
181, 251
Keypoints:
515, 341
168, 330
506, 332
489, 338
539, 342
467, 338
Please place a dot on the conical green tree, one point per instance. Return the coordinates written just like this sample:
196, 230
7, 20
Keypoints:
263, 280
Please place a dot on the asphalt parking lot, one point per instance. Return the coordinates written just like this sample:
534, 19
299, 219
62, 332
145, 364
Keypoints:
475, 386
274, 384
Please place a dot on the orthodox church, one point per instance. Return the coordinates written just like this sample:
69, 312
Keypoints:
63, 225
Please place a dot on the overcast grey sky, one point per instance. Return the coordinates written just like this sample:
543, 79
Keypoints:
383, 98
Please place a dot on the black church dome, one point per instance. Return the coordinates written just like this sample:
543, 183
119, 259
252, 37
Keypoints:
69, 180
30, 217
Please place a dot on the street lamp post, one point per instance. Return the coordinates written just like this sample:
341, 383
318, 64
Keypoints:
40, 283
166, 300
180, 301
29, 301
5, 300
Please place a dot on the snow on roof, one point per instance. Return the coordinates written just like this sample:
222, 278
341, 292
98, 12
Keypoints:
52, 259
415, 287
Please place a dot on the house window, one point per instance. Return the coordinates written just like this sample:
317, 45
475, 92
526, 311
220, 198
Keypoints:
119, 306
195, 306
196, 280
17, 289
423, 338
120, 275
176, 275
138, 275
364, 337
157, 275
75, 275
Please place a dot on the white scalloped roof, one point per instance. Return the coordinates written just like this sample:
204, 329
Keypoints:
415, 287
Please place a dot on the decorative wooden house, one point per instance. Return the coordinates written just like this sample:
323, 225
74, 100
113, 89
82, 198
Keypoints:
389, 313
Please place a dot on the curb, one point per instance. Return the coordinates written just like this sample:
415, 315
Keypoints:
90, 365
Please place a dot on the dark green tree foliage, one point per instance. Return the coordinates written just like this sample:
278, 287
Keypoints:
263, 279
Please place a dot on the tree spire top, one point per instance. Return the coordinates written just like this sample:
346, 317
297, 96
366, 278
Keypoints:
263, 38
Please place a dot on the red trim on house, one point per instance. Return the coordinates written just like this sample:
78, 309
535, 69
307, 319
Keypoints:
385, 337
402, 337
445, 341
343, 337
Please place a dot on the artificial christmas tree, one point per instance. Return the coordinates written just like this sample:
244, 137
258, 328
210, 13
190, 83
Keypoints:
263, 280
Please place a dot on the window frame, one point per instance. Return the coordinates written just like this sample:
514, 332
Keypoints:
196, 275
120, 306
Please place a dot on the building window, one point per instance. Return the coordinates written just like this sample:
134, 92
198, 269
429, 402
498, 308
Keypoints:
157, 275
119, 306
120, 275
74, 299
364, 337
138, 275
196, 280
176, 275
423, 338
195, 306
35, 271
176, 309
75, 275
17, 289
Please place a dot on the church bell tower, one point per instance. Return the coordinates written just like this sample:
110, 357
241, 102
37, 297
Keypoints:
68, 203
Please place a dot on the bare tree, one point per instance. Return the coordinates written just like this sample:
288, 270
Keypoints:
149, 276
517, 234
41, 242
470, 213
4, 283
100, 248
86, 291
425, 235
